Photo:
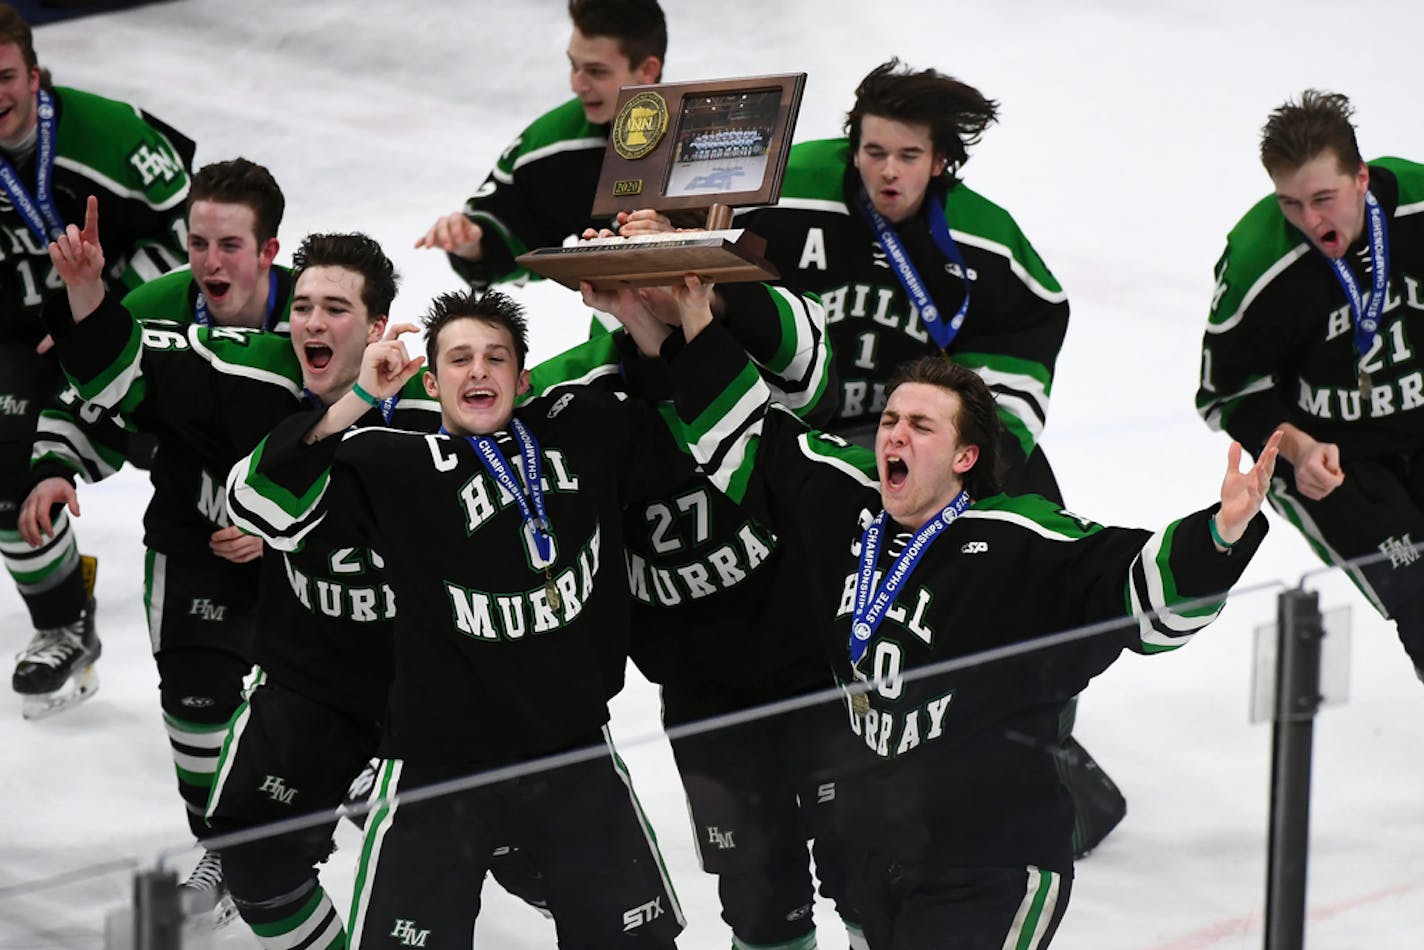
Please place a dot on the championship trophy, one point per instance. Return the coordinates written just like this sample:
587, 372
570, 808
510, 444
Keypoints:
684, 149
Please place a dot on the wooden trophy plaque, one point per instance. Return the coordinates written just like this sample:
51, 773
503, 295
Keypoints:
688, 147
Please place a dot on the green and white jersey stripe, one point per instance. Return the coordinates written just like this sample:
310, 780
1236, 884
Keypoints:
724, 437
1021, 390
262, 507
1166, 618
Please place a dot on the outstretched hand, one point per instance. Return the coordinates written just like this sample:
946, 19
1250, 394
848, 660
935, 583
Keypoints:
386, 366
1243, 493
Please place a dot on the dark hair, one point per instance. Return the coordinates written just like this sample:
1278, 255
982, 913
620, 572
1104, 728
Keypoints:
1298, 132
355, 252
957, 114
15, 29
978, 422
240, 182
637, 25
492, 307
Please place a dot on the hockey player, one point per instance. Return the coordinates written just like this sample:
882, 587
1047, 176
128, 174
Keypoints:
540, 192
953, 807
234, 211
707, 580
201, 578
58, 146
505, 595
311, 716
1314, 333
880, 226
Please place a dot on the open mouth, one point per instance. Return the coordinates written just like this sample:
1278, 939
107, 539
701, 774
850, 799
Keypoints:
215, 289
478, 399
318, 355
896, 471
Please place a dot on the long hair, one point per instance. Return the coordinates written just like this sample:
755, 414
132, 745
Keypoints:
956, 113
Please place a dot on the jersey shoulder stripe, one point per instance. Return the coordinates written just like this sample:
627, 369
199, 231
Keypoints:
1034, 513
1263, 244
109, 143
561, 129
252, 354
814, 172
815, 175
164, 298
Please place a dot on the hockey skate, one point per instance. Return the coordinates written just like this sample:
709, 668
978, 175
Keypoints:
56, 670
203, 895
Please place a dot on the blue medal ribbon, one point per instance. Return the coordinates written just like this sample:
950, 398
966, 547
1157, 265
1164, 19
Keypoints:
388, 407
535, 519
1367, 313
204, 318
38, 210
942, 332
871, 604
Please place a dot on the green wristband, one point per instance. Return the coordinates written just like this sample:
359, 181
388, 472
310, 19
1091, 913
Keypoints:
1216, 535
370, 400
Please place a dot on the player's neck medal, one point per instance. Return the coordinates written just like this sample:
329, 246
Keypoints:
551, 592
1367, 312
871, 601
536, 518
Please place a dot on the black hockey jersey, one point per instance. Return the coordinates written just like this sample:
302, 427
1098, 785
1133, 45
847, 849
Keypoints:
489, 666
715, 598
1017, 317
539, 193
1279, 345
955, 766
138, 169
211, 394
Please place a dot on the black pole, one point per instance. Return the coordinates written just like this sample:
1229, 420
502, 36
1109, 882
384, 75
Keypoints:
1299, 632
158, 920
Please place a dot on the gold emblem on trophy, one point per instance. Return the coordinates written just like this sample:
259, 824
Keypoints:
640, 125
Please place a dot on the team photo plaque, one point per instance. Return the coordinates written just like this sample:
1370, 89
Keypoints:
694, 149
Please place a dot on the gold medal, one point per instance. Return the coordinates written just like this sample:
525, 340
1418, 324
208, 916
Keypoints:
860, 704
551, 592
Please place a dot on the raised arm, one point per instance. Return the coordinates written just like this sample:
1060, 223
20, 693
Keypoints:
385, 368
78, 259
1243, 493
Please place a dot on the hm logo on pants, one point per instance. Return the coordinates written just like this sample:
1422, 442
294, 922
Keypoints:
277, 790
406, 932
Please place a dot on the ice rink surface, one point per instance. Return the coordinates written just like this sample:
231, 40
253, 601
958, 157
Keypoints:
1126, 150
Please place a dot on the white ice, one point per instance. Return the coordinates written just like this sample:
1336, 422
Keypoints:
1126, 151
